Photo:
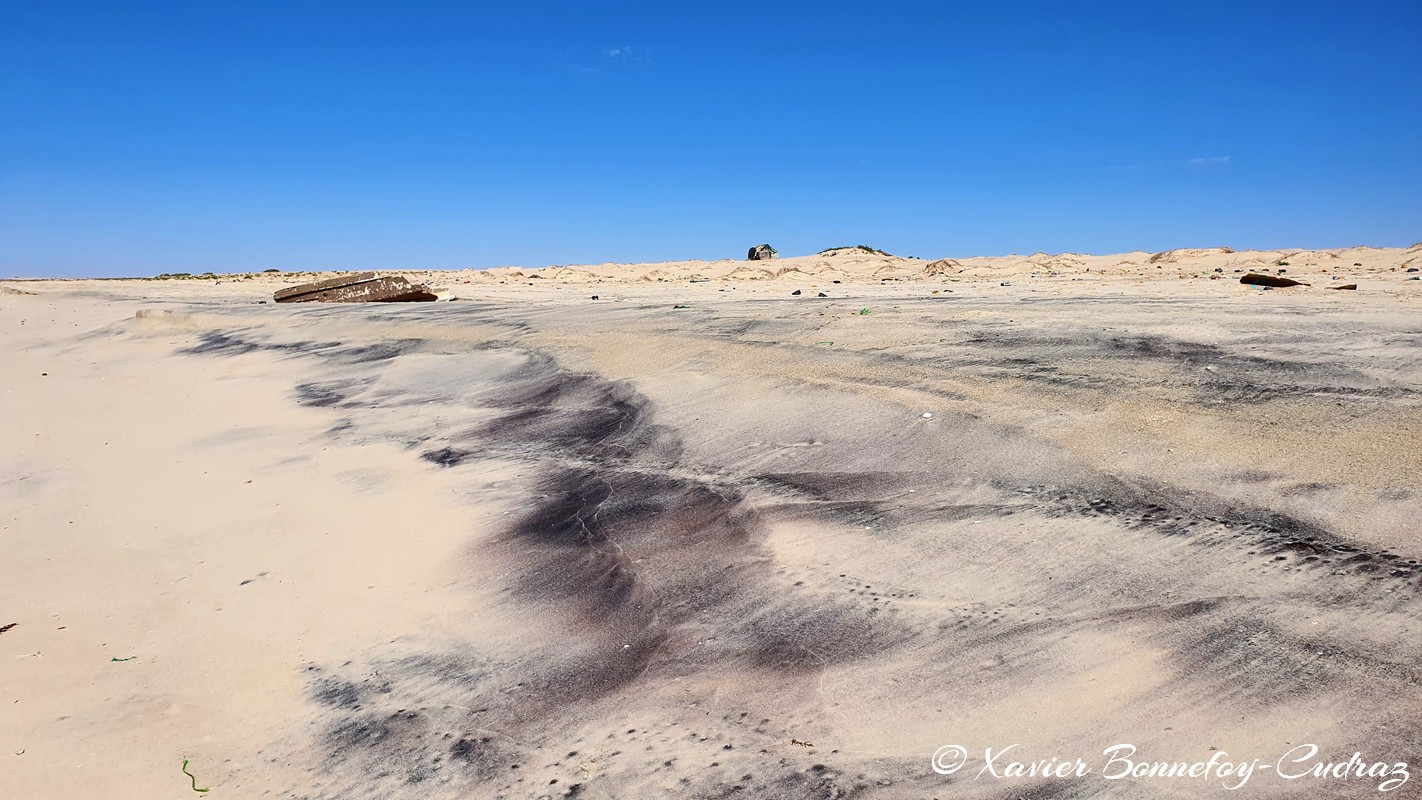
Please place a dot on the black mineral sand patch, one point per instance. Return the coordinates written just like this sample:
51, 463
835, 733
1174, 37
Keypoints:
628, 554
333, 393
798, 785
227, 343
800, 638
839, 485
1055, 789
1270, 536
336, 692
1212, 374
446, 456
407, 721
578, 415
232, 343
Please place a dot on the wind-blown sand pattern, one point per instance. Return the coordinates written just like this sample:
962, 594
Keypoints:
529, 544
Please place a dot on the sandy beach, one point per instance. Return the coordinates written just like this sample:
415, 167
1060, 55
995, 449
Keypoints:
768, 529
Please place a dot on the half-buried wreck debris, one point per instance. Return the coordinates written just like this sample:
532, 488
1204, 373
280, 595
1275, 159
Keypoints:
360, 287
1255, 279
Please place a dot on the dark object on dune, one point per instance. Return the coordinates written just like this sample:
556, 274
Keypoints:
762, 252
594, 297
1345, 286
795, 293
8, 627
680, 306
1411, 269
822, 294
1255, 279
360, 287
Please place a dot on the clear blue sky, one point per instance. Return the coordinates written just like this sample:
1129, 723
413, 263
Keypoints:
138, 138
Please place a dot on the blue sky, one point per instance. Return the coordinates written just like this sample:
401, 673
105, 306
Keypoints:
138, 138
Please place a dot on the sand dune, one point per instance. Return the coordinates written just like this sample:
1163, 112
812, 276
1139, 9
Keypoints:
529, 544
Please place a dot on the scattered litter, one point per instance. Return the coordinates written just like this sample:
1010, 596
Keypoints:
1345, 286
20, 752
863, 311
360, 287
130, 658
928, 415
191, 777
1004, 283
35, 654
800, 743
681, 306
831, 344
1256, 279
4, 628
699, 280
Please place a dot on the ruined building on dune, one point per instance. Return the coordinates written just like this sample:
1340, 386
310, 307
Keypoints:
762, 252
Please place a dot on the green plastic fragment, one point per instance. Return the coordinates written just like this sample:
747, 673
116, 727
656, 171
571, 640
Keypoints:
191, 777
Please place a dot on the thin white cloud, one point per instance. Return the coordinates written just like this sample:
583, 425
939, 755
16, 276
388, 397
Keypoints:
1210, 161
627, 55
1137, 167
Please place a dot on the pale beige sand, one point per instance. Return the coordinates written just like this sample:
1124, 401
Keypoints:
468, 549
